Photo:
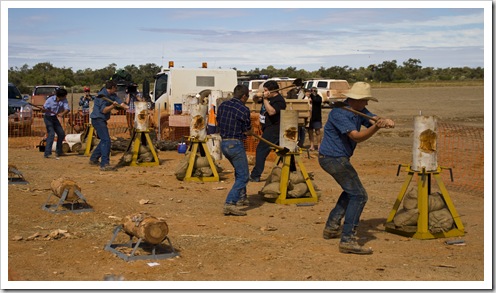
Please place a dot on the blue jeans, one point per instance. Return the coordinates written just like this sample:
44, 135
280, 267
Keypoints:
53, 126
263, 150
351, 201
234, 151
102, 150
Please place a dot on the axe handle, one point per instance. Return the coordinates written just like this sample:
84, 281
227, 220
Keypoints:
360, 113
268, 142
110, 101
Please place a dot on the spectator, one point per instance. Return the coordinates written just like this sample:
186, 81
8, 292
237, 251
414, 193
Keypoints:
132, 96
315, 123
84, 104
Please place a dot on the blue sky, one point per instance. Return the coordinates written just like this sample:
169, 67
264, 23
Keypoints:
328, 34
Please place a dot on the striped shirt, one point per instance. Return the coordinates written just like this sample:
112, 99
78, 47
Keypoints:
233, 119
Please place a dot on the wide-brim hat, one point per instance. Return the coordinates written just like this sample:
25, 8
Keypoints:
361, 91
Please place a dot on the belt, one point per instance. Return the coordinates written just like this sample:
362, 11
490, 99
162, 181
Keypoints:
231, 139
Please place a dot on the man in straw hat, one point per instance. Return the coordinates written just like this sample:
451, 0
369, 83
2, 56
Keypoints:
342, 132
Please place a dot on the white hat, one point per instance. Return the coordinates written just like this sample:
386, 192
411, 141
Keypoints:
361, 91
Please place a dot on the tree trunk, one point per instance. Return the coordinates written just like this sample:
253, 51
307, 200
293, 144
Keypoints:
142, 225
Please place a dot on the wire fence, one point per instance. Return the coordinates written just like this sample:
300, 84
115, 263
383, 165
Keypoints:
462, 149
459, 147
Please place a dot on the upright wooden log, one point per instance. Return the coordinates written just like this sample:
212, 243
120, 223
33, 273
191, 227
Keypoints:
145, 226
59, 185
425, 143
288, 136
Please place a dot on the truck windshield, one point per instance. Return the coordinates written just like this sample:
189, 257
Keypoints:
160, 85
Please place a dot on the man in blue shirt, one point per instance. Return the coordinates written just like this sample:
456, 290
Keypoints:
99, 118
233, 120
55, 106
342, 133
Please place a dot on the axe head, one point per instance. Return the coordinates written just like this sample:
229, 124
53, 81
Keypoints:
283, 151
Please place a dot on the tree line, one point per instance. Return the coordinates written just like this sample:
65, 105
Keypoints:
25, 78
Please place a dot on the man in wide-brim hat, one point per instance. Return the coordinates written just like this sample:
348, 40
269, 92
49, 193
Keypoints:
342, 132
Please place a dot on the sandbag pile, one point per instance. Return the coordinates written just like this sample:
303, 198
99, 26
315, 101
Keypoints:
201, 167
440, 218
297, 186
144, 155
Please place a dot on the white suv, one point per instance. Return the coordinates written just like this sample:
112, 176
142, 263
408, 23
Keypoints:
329, 88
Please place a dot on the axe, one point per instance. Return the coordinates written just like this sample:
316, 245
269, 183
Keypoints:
280, 149
343, 106
110, 101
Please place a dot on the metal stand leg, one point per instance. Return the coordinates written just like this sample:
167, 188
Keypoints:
202, 147
287, 160
423, 191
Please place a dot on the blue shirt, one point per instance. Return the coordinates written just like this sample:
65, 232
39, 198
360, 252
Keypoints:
55, 106
336, 142
233, 119
100, 104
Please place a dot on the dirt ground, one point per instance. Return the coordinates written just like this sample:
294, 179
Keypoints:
274, 242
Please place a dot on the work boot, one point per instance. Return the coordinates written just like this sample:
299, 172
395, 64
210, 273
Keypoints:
243, 202
231, 209
331, 233
94, 163
353, 247
254, 179
108, 168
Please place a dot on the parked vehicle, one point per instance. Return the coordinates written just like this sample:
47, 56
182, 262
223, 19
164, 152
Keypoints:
172, 85
20, 112
329, 89
41, 93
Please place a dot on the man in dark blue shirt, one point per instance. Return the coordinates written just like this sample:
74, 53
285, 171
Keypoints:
233, 119
342, 132
99, 117
270, 117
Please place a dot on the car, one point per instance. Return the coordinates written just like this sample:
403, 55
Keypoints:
329, 89
256, 85
253, 86
20, 112
41, 93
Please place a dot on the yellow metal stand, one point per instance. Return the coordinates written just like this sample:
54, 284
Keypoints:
139, 137
287, 159
423, 191
194, 147
89, 140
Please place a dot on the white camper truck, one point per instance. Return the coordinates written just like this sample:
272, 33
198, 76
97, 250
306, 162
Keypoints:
173, 85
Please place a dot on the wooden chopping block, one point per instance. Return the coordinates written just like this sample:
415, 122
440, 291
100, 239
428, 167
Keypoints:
60, 184
149, 228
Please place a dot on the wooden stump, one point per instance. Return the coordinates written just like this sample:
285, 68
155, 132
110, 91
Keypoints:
149, 228
59, 185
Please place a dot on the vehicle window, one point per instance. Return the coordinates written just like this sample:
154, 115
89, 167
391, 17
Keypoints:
322, 84
161, 85
339, 86
46, 91
309, 85
256, 85
205, 81
14, 93
245, 83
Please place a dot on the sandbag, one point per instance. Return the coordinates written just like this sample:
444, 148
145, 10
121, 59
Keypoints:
298, 190
296, 177
406, 218
410, 200
436, 202
275, 175
440, 220
271, 190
